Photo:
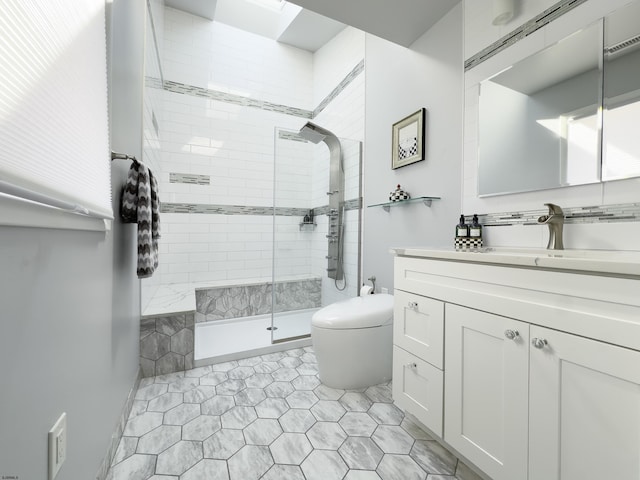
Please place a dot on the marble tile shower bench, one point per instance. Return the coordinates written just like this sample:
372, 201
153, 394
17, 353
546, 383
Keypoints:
167, 325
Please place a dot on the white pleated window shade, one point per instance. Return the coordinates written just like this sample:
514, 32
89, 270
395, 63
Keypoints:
54, 133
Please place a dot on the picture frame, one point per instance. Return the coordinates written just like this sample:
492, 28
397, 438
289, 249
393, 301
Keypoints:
408, 145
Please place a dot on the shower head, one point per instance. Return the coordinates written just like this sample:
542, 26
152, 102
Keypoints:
313, 133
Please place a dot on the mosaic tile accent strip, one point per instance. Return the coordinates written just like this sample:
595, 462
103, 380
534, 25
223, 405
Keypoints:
233, 421
550, 14
249, 300
116, 437
153, 82
626, 212
194, 91
353, 204
190, 178
166, 344
357, 70
217, 209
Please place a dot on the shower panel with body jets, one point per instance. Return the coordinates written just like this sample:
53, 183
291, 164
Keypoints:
335, 234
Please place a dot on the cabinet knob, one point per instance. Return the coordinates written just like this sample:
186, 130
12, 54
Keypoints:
511, 334
539, 342
412, 365
413, 305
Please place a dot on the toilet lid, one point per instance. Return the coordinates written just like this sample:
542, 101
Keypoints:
359, 312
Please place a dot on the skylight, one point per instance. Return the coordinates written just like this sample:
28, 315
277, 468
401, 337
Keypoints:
270, 4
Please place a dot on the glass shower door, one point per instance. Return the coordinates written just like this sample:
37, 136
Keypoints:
301, 227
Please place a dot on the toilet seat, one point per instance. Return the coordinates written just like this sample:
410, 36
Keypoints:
358, 312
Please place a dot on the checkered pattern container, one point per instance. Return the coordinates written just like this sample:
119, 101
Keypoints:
468, 243
398, 195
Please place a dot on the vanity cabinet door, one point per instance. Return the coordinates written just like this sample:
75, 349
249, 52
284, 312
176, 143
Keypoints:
486, 390
584, 408
418, 326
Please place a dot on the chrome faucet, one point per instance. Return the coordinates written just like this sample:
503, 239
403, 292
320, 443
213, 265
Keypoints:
555, 221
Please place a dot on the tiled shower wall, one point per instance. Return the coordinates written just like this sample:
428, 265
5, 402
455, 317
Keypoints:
225, 91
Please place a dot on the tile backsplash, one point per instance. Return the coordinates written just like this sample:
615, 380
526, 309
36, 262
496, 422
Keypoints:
628, 212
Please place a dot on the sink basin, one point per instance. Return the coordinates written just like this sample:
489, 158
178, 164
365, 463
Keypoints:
597, 261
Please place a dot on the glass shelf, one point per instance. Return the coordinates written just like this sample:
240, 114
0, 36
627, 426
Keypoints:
387, 205
307, 226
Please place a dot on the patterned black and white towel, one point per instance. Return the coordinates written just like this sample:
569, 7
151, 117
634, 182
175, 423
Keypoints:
140, 204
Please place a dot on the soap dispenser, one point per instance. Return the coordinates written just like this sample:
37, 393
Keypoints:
462, 229
475, 229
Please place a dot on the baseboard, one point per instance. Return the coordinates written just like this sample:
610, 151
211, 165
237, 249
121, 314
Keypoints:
117, 434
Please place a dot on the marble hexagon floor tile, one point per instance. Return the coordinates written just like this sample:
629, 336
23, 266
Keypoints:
270, 418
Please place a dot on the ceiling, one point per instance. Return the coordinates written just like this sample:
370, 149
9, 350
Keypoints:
399, 21
309, 24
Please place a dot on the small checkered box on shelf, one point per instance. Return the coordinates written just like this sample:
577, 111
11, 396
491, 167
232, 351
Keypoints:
468, 243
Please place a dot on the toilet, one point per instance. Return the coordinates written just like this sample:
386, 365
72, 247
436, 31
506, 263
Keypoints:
352, 340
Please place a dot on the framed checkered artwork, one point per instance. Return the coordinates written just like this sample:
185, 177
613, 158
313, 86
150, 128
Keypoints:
408, 140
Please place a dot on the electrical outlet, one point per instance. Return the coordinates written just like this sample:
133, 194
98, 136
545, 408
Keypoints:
57, 446
384, 290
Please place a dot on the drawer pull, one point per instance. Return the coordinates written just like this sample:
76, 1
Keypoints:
539, 342
412, 366
413, 305
511, 334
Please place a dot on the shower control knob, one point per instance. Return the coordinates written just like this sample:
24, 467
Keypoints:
333, 192
331, 235
329, 257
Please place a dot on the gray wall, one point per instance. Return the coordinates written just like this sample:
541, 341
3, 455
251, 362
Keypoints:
400, 81
69, 311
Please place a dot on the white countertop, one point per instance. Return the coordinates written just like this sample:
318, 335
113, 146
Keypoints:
595, 261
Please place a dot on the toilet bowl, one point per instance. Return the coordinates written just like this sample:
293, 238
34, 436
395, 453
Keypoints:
352, 340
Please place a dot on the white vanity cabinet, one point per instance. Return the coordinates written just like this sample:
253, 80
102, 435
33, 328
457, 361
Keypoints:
541, 370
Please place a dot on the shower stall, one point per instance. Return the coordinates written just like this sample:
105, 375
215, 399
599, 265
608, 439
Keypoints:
316, 217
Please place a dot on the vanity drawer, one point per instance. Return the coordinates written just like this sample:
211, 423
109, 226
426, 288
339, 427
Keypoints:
418, 326
418, 389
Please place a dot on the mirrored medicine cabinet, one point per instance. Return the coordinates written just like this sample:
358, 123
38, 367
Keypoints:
567, 115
